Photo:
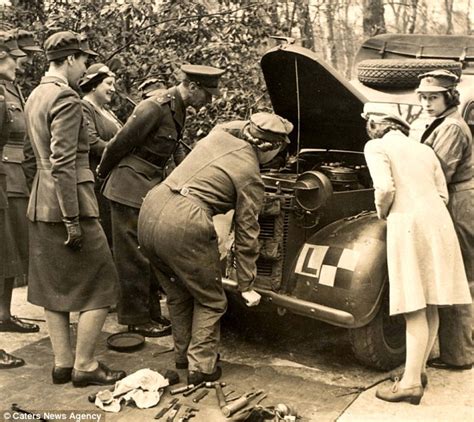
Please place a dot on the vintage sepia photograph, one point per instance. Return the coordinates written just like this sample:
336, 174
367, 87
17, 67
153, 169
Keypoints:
236, 210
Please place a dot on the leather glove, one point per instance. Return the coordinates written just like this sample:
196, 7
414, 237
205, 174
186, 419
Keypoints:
74, 234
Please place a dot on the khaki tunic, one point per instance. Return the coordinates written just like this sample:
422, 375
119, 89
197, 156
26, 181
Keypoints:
61, 279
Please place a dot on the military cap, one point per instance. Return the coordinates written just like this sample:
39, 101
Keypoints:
205, 76
437, 81
9, 44
26, 41
376, 113
270, 127
65, 43
95, 72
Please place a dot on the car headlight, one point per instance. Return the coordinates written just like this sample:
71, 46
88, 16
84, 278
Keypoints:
312, 190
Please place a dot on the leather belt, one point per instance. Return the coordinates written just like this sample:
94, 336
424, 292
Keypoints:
185, 192
157, 160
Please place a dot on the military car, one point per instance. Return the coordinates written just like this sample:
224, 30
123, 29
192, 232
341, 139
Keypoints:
322, 248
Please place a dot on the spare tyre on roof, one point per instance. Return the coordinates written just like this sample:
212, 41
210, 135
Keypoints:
400, 74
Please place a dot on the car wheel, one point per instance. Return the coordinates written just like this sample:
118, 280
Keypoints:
401, 74
381, 343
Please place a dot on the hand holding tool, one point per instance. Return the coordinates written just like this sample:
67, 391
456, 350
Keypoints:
162, 412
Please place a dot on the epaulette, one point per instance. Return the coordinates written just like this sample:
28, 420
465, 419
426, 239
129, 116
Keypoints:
163, 97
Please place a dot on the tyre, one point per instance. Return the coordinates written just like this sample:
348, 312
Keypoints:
381, 343
400, 74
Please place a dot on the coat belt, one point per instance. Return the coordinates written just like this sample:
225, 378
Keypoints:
82, 160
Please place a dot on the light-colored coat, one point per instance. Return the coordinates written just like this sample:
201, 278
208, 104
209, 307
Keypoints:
424, 259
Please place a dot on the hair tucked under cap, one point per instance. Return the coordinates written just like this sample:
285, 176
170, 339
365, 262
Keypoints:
267, 131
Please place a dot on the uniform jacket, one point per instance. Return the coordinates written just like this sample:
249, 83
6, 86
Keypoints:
3, 140
424, 258
452, 142
64, 184
100, 129
223, 173
136, 156
12, 156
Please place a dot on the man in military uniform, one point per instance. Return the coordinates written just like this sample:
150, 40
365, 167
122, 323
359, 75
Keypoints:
9, 53
133, 162
177, 233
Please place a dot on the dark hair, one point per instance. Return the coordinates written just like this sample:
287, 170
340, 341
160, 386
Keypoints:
93, 83
60, 61
451, 97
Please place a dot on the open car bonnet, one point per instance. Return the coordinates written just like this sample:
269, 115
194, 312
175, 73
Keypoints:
323, 107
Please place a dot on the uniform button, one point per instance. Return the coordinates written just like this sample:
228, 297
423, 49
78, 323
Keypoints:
172, 279
170, 136
5, 158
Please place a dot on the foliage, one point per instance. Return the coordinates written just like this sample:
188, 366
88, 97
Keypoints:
139, 41
152, 39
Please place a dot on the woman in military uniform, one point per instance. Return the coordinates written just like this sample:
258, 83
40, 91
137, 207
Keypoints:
177, 234
71, 267
16, 237
98, 86
451, 139
9, 52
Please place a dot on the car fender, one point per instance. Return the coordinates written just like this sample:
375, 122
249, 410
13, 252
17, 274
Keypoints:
343, 267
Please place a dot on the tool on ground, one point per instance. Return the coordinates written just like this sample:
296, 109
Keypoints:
228, 393
162, 412
182, 389
16, 408
173, 412
192, 390
200, 396
243, 401
189, 413
219, 393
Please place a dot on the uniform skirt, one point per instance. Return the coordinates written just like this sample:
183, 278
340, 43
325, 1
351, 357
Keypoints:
16, 261
64, 280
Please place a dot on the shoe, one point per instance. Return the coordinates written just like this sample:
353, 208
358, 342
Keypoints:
8, 361
439, 364
424, 378
100, 376
15, 325
61, 375
151, 329
185, 365
394, 393
196, 377
161, 320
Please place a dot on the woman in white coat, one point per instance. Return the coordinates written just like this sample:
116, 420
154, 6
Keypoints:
425, 265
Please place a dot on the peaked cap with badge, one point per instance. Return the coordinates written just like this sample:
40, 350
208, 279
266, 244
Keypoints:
205, 76
437, 81
9, 44
270, 127
26, 41
65, 43
375, 113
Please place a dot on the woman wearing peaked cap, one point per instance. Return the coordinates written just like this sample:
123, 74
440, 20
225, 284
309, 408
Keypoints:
176, 232
450, 138
71, 267
98, 86
9, 53
424, 260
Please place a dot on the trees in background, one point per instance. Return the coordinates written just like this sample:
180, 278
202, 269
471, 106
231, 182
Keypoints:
146, 39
